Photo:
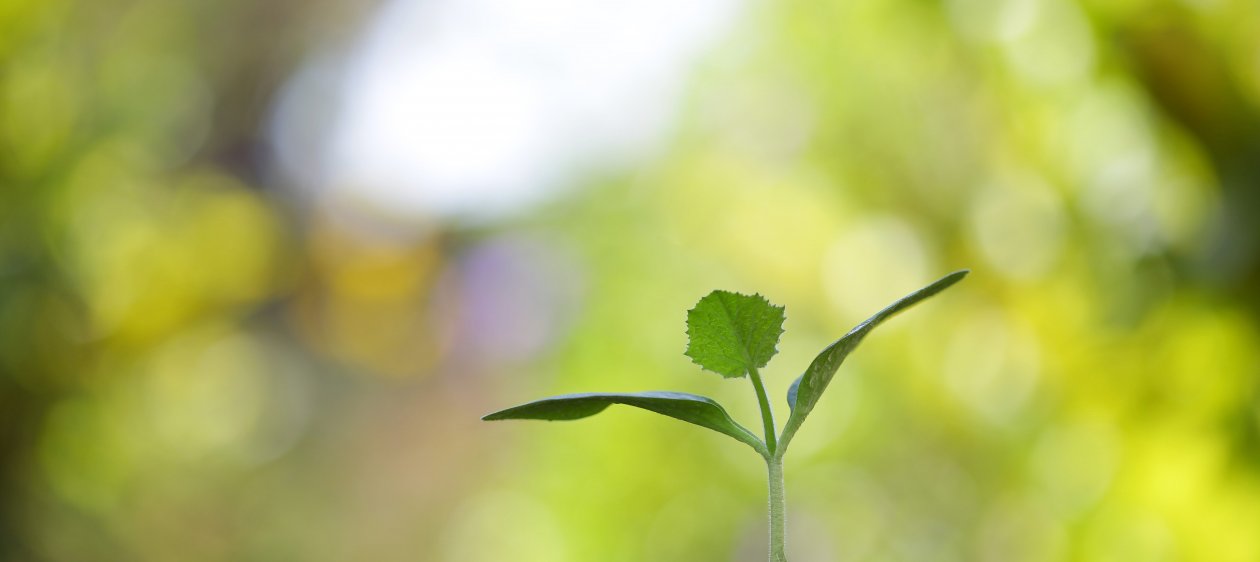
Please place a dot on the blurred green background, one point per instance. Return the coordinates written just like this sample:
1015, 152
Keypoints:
263, 265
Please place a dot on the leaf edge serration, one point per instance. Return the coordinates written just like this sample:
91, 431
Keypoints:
745, 360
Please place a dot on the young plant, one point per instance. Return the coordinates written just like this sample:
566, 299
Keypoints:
734, 335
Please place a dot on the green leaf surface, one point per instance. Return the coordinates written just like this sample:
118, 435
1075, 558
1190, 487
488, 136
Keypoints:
691, 408
731, 334
805, 391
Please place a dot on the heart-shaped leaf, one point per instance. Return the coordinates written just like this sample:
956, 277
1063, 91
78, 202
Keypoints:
731, 334
805, 391
702, 411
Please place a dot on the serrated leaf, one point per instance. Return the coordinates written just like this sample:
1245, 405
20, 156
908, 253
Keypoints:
691, 408
805, 391
730, 334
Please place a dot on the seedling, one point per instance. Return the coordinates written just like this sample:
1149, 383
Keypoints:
734, 335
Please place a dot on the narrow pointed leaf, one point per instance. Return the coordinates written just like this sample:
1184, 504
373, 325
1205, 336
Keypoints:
691, 408
804, 393
731, 334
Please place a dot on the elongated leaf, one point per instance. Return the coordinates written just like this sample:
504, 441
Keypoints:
702, 411
804, 393
731, 334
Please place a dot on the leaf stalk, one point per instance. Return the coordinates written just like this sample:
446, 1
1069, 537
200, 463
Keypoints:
767, 415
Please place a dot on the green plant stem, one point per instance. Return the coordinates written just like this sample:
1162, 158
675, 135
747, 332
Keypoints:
767, 415
778, 509
774, 468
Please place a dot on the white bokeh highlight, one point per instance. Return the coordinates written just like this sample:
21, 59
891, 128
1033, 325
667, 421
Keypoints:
479, 107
